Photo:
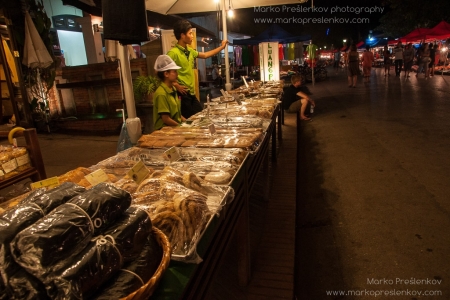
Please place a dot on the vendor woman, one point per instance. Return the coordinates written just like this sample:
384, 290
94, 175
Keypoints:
166, 105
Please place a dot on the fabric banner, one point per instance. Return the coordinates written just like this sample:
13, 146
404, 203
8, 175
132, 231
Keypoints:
270, 63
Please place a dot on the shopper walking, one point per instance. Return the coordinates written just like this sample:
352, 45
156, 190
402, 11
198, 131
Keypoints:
353, 66
387, 61
184, 56
408, 57
432, 58
398, 58
424, 60
337, 60
367, 62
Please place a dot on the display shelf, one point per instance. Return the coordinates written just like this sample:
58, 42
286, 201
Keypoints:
37, 170
193, 281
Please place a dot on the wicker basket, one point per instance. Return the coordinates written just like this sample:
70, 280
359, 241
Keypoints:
147, 289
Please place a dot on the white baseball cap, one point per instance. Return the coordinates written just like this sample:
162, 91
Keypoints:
165, 63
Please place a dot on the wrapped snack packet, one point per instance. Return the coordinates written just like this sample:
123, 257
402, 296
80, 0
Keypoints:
83, 274
66, 230
134, 274
32, 208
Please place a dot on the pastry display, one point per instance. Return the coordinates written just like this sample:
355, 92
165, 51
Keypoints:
13, 160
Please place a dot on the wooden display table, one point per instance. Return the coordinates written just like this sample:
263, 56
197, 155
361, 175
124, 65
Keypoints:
37, 170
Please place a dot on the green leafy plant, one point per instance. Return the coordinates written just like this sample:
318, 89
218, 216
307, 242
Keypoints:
143, 86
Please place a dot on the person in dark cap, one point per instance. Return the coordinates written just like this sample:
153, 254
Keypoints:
184, 56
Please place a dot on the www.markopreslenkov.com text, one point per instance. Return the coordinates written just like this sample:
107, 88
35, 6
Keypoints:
321, 20
385, 293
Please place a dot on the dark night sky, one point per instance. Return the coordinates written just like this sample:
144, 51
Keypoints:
244, 20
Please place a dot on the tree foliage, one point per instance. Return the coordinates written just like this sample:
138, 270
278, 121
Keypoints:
406, 15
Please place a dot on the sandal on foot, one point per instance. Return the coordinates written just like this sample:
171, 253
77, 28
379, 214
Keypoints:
306, 119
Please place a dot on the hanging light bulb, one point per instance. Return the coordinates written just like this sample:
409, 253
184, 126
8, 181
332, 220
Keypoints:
230, 12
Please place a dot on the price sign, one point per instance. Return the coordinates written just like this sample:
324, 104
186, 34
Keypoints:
138, 172
97, 177
212, 128
47, 183
172, 154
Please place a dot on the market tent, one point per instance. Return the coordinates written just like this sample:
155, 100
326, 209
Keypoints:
415, 35
440, 32
274, 33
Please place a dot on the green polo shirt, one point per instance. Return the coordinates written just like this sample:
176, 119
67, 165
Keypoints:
165, 100
186, 75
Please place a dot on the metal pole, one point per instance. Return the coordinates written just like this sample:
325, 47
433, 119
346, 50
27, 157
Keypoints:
225, 37
127, 82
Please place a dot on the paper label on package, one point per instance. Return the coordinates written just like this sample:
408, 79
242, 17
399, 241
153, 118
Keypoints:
138, 172
172, 154
48, 183
97, 177
9, 166
23, 160
212, 128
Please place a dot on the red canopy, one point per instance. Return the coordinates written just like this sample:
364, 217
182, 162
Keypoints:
440, 32
415, 35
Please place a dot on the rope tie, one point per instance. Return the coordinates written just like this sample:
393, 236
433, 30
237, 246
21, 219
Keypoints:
103, 240
85, 213
131, 272
34, 204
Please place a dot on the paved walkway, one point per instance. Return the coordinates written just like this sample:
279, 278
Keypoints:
374, 208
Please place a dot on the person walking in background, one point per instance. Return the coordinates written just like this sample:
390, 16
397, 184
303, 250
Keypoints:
353, 66
432, 58
296, 98
398, 58
367, 62
166, 105
337, 60
387, 61
184, 56
408, 58
424, 60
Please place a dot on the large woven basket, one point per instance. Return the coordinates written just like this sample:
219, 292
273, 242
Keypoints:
147, 289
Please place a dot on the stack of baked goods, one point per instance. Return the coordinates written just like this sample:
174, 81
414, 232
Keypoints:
246, 138
13, 160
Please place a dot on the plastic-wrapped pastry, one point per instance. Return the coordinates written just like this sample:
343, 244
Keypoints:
218, 177
127, 184
67, 229
37, 204
134, 274
74, 175
182, 219
122, 242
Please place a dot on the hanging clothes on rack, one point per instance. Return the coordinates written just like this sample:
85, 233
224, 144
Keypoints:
291, 53
250, 55
298, 50
238, 56
256, 55
285, 50
245, 56
280, 52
